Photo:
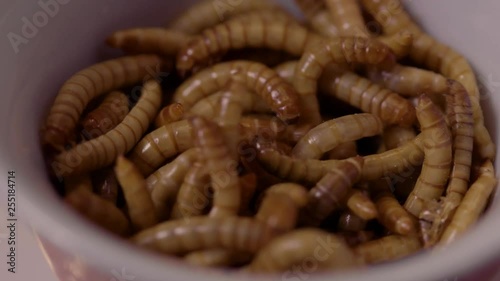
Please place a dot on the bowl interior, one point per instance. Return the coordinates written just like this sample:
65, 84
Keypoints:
44, 44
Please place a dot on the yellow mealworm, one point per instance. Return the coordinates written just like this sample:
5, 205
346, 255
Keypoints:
392, 162
169, 114
396, 136
400, 43
139, 204
191, 200
217, 258
278, 94
343, 50
391, 214
98, 210
208, 13
201, 233
410, 81
473, 203
331, 133
438, 57
346, 15
164, 184
344, 150
76, 183
295, 248
256, 32
87, 84
106, 185
107, 116
271, 127
161, 144
438, 156
160, 41
388, 248
360, 204
349, 221
102, 151
332, 191
359, 92
221, 167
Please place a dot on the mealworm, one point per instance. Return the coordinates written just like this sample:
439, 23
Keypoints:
221, 167
473, 203
139, 204
410, 81
354, 239
347, 17
169, 114
160, 41
438, 156
295, 248
388, 248
191, 200
360, 204
161, 144
87, 84
106, 185
98, 210
271, 127
217, 258
396, 136
208, 13
164, 184
331, 133
360, 92
319, 18
332, 191
200, 233
344, 150
74, 183
400, 43
106, 116
256, 32
394, 161
344, 50
391, 214
207, 107
278, 94
349, 221
438, 57
102, 151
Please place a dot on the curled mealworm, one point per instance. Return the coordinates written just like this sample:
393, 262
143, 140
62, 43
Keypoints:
221, 167
164, 184
256, 32
217, 258
106, 185
139, 204
161, 144
102, 151
293, 249
332, 191
438, 156
191, 200
272, 128
208, 13
87, 84
396, 136
151, 40
98, 210
349, 221
473, 203
76, 183
331, 133
360, 204
391, 214
277, 93
400, 43
343, 50
438, 57
388, 248
107, 116
169, 114
201, 233
344, 150
346, 15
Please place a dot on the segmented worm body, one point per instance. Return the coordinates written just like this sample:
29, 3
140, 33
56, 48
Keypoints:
278, 94
86, 85
388, 248
438, 156
169, 114
106, 116
331, 133
102, 151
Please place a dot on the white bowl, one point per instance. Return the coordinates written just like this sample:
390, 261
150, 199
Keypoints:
71, 37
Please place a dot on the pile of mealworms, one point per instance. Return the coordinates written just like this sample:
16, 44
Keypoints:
241, 137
